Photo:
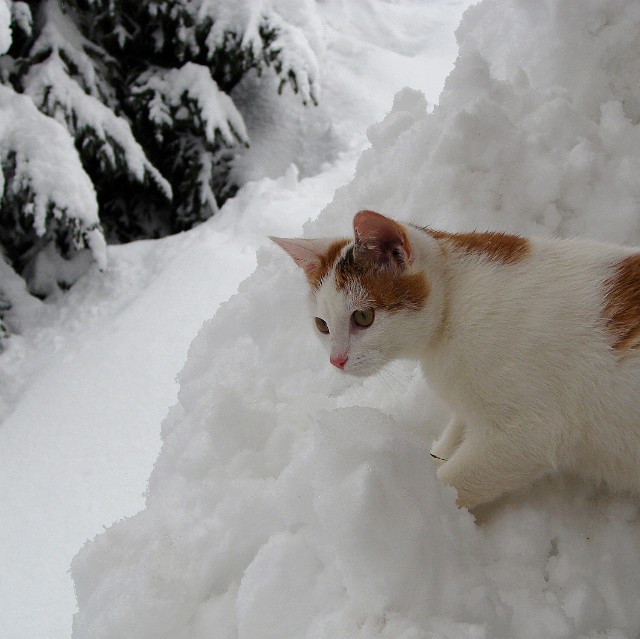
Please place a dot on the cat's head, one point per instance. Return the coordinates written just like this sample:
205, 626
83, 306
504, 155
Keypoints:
368, 292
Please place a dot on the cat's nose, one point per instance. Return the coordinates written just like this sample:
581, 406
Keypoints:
339, 360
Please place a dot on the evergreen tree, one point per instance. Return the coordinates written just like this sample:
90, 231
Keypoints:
142, 90
47, 203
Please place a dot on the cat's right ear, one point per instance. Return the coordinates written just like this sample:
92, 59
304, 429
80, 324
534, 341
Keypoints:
306, 253
384, 238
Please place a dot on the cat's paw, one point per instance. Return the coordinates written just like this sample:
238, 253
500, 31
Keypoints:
450, 440
470, 493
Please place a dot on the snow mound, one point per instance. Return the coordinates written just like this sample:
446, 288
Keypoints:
288, 501
536, 131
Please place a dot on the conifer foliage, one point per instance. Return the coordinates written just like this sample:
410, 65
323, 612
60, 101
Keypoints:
116, 120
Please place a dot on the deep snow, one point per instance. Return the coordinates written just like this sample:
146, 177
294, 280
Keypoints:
89, 379
289, 501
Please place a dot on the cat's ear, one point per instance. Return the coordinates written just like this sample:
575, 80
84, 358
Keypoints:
384, 237
308, 254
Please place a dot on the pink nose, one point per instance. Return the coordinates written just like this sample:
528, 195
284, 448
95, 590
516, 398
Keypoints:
339, 360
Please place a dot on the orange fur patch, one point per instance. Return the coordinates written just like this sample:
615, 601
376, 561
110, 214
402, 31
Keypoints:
326, 263
501, 247
386, 289
622, 303
396, 292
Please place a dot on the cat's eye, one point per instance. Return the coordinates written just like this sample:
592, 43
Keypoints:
321, 325
364, 318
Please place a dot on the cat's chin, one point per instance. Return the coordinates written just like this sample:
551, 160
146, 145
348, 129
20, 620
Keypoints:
357, 373
360, 371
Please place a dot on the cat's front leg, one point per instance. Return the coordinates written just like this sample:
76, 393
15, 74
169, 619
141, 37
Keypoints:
488, 465
446, 445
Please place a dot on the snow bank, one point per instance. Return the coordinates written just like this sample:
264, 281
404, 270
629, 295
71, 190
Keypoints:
288, 501
536, 131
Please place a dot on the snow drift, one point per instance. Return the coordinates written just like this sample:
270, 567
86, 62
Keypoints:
288, 501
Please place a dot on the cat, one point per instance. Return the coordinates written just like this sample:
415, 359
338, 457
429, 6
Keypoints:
533, 343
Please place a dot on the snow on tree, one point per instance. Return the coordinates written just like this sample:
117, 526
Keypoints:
141, 89
48, 202
190, 98
5, 26
49, 224
69, 78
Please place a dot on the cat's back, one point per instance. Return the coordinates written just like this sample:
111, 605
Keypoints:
559, 313
591, 288
542, 282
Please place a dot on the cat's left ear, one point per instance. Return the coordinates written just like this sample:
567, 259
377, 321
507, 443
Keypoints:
384, 237
308, 254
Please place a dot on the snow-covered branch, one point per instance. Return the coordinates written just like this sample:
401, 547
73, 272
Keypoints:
190, 95
67, 86
47, 197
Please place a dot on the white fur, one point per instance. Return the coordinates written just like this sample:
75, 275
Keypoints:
521, 355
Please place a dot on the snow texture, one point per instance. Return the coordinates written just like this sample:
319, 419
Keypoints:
288, 501
60, 34
518, 149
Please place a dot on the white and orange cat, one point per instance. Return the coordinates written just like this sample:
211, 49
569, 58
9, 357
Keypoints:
533, 343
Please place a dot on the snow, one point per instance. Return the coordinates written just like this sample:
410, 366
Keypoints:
288, 500
51, 170
21, 15
5, 26
103, 361
51, 87
193, 82
60, 33
53, 175
292, 26
386, 46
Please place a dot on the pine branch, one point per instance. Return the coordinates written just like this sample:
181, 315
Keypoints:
47, 198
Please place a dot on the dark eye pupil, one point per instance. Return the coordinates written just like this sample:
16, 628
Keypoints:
321, 325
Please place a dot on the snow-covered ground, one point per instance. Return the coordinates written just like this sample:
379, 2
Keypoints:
288, 501
87, 384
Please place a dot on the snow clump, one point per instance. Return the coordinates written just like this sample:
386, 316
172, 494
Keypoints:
290, 502
57, 186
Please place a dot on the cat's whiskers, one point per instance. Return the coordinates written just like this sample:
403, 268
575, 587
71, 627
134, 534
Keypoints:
386, 374
392, 382
352, 394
